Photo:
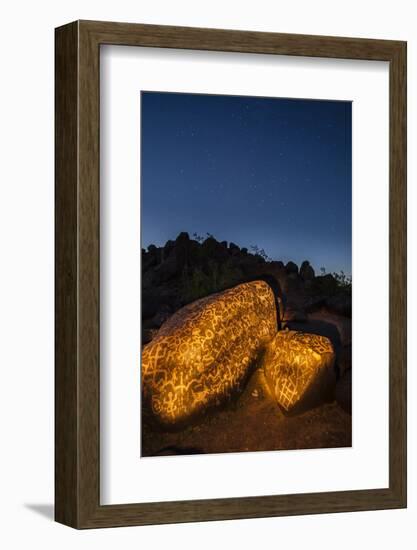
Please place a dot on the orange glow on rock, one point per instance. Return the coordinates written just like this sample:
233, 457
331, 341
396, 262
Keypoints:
204, 352
297, 365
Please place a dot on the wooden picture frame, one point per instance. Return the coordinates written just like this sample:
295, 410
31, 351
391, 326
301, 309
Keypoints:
77, 374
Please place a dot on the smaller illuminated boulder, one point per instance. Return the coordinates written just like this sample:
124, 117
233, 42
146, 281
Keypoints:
299, 368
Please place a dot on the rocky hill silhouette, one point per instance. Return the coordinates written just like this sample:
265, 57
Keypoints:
186, 269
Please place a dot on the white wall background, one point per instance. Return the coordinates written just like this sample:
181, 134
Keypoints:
26, 272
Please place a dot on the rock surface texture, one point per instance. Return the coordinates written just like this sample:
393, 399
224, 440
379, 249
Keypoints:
298, 367
206, 350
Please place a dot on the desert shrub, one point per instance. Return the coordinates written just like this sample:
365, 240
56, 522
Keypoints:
343, 280
331, 284
257, 251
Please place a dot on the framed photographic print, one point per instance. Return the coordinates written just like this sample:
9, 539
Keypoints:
230, 274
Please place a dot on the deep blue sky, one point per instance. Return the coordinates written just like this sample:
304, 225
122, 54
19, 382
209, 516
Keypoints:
275, 173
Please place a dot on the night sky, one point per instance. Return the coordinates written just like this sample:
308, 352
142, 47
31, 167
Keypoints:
275, 173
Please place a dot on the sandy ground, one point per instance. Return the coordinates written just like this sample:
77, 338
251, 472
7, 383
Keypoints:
253, 422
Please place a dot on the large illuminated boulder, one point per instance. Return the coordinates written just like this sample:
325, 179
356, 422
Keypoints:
204, 352
299, 368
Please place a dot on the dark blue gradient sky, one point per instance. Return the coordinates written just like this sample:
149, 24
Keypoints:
275, 173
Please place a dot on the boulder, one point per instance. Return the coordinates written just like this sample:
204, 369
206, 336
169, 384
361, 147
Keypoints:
299, 369
333, 324
204, 352
306, 271
291, 267
182, 237
340, 303
166, 251
293, 314
213, 250
153, 256
182, 248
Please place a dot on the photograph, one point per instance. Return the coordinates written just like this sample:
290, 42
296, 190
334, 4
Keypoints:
208, 271
246, 273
